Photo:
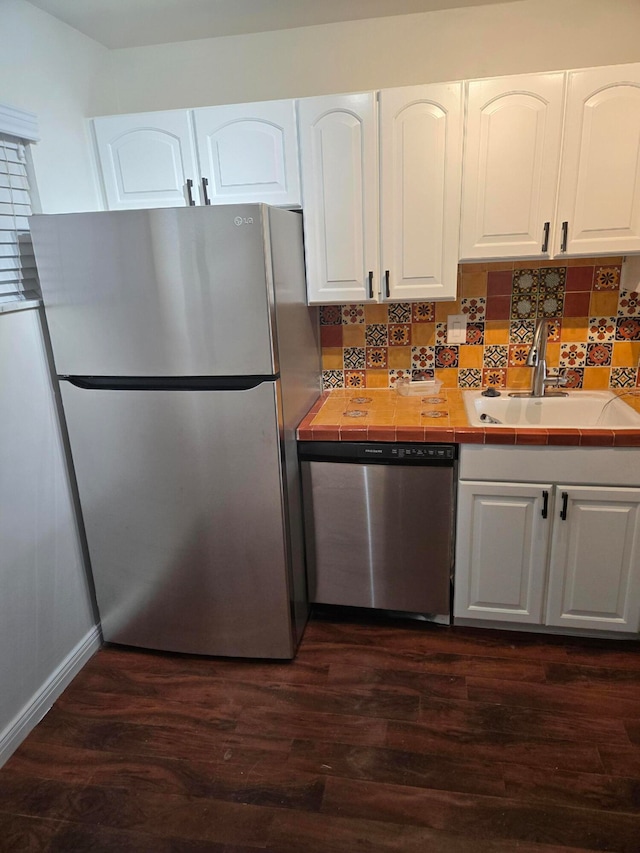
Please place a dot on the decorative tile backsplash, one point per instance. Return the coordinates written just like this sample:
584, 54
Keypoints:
594, 336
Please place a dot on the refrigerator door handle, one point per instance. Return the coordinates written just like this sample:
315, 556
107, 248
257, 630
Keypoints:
169, 383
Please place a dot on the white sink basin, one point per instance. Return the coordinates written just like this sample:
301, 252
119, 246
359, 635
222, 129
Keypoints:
579, 410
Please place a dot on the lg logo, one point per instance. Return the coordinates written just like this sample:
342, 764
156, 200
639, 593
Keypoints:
243, 220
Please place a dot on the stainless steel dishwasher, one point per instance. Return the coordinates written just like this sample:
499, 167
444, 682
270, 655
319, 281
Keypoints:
379, 525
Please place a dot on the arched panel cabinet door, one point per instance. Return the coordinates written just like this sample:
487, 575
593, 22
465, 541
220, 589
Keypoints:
338, 147
600, 175
146, 159
420, 166
248, 153
512, 151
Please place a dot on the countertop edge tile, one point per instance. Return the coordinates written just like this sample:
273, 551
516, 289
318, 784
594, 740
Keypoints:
458, 429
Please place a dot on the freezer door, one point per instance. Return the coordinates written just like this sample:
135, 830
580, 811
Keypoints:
172, 292
181, 493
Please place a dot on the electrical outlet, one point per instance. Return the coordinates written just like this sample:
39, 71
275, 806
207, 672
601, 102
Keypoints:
456, 328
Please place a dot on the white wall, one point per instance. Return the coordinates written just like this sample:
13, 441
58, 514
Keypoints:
51, 69
531, 35
46, 614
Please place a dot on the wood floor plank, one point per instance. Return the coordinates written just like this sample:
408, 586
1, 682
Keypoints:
488, 745
350, 676
433, 662
483, 817
309, 724
381, 736
313, 833
400, 767
24, 834
586, 699
528, 723
568, 788
421, 638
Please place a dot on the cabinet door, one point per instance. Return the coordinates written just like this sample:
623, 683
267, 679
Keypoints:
338, 151
512, 150
421, 170
594, 578
146, 159
248, 153
501, 551
600, 175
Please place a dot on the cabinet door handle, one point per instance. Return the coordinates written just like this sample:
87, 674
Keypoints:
386, 284
545, 504
565, 236
565, 501
370, 284
545, 237
190, 192
205, 196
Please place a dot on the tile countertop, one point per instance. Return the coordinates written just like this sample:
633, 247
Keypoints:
390, 417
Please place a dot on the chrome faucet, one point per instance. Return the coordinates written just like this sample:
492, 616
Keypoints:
537, 358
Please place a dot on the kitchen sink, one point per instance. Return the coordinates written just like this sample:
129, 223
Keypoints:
578, 410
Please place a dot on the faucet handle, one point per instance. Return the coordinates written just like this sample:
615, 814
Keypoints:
559, 379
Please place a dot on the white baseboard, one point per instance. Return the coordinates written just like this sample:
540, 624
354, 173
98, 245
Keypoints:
42, 700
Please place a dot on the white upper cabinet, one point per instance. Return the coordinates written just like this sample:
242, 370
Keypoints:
146, 159
215, 155
248, 152
599, 195
420, 179
511, 159
338, 151
382, 227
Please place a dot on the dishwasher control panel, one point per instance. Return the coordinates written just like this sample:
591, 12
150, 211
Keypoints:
408, 451
382, 453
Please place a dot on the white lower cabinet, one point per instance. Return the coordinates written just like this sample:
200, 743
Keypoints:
558, 555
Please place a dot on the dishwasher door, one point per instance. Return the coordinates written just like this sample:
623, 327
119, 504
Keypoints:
379, 534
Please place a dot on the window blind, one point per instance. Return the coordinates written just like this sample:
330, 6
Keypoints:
18, 276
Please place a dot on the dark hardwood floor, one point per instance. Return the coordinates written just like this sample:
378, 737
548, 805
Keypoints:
380, 736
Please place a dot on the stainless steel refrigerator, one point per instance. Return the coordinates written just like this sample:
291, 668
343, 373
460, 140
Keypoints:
186, 356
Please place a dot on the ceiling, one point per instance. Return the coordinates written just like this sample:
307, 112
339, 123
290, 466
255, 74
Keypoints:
132, 23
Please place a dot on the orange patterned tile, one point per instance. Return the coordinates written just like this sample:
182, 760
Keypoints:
443, 309
374, 313
603, 303
626, 353
473, 284
332, 358
596, 378
377, 378
497, 266
470, 356
496, 332
399, 358
353, 335
423, 334
574, 329
518, 377
448, 376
